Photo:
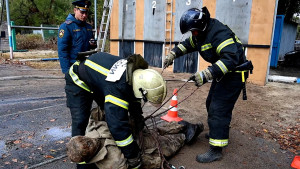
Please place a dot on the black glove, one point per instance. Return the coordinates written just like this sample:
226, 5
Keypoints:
169, 59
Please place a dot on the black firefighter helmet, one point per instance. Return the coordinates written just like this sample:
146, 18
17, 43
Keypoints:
194, 19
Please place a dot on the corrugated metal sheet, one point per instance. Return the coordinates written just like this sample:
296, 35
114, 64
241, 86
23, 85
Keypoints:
154, 17
288, 37
181, 6
127, 12
126, 48
153, 53
236, 14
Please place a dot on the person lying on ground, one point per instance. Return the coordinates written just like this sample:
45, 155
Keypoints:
157, 144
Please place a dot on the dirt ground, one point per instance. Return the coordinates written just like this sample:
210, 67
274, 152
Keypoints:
264, 129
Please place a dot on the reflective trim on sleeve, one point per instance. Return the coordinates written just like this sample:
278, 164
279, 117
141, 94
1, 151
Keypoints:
222, 66
116, 101
182, 48
237, 39
76, 79
206, 47
82, 163
191, 42
125, 142
219, 143
224, 44
96, 67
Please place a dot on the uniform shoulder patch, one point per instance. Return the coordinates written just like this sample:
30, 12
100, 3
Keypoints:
61, 33
68, 22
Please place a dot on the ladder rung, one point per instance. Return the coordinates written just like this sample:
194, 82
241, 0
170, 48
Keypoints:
169, 12
167, 39
168, 30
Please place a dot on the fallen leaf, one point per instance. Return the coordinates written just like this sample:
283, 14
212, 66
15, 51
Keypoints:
265, 130
26, 145
53, 120
7, 162
48, 156
53, 150
60, 142
17, 142
14, 160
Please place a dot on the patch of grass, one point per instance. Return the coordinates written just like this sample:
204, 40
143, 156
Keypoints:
35, 41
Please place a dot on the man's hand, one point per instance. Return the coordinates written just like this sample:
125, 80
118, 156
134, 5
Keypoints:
201, 77
169, 59
93, 42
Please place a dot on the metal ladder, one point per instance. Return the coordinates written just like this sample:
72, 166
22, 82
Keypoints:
168, 26
107, 8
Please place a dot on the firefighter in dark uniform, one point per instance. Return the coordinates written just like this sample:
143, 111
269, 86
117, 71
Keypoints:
218, 45
75, 35
117, 85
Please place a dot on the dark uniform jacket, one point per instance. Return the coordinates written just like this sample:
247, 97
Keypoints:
220, 47
117, 97
73, 37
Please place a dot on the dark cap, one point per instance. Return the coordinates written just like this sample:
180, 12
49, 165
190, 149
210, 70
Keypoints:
82, 5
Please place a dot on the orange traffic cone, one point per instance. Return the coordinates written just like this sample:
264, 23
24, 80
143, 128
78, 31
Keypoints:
296, 162
173, 112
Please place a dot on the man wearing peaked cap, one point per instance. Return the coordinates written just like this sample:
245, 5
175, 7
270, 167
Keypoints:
75, 35
82, 5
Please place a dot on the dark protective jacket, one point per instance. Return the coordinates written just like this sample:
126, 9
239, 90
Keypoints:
73, 37
219, 46
117, 96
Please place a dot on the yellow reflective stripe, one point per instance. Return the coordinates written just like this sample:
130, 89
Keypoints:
182, 48
76, 79
222, 66
237, 39
82, 163
125, 142
191, 41
243, 74
116, 101
224, 44
96, 67
206, 47
219, 143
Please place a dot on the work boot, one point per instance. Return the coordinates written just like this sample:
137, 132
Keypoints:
213, 154
191, 131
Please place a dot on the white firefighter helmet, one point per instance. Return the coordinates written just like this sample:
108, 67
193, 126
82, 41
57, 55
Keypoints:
150, 84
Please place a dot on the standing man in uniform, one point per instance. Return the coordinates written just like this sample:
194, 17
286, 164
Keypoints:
218, 45
75, 35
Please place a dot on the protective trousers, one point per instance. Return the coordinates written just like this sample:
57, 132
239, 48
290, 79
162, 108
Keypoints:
221, 99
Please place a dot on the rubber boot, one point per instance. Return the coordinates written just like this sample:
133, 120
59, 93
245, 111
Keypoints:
191, 131
213, 154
